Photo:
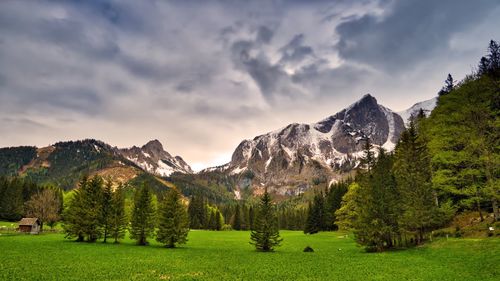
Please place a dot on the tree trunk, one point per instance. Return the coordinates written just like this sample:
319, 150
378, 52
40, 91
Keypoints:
496, 215
479, 210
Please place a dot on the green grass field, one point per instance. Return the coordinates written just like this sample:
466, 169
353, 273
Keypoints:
228, 256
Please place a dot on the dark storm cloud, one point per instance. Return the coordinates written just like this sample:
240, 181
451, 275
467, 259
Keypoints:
412, 31
295, 51
264, 34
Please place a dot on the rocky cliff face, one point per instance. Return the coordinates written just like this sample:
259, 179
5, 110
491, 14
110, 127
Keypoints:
152, 158
293, 158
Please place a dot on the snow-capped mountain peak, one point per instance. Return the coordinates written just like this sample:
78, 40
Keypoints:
427, 106
304, 151
152, 158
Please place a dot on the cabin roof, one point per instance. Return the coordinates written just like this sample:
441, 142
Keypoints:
29, 221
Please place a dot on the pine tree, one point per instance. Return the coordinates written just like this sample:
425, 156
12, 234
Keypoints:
218, 220
414, 179
265, 236
448, 86
106, 209
368, 156
173, 226
348, 213
74, 213
251, 218
118, 219
237, 218
333, 202
92, 198
494, 59
197, 212
143, 216
315, 219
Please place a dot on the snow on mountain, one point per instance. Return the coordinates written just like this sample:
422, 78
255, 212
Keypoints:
152, 158
333, 145
427, 106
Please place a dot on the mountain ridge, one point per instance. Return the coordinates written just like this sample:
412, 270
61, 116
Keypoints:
324, 151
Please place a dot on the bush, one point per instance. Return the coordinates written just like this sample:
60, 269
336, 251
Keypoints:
458, 232
226, 227
308, 249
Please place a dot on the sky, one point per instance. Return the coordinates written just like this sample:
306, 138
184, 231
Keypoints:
201, 76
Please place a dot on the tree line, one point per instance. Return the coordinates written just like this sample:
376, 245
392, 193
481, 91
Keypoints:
97, 211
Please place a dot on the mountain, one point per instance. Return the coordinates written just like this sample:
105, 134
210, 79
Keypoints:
64, 163
299, 156
427, 106
152, 158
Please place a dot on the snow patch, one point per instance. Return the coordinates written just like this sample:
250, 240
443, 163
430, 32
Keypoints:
389, 145
238, 170
163, 169
237, 195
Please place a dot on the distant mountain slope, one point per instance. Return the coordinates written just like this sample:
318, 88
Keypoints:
427, 106
64, 163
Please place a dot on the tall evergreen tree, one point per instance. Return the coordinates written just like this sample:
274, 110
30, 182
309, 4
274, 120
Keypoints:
333, 202
413, 174
448, 85
106, 209
197, 212
117, 217
218, 220
251, 217
368, 158
173, 226
143, 215
315, 219
92, 202
73, 214
265, 236
237, 218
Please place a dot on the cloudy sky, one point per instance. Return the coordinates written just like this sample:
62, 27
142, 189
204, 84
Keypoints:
201, 76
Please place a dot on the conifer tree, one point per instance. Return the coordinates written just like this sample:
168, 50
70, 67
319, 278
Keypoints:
237, 218
72, 215
218, 220
265, 236
315, 218
251, 217
118, 219
92, 202
173, 221
106, 209
448, 85
368, 156
143, 215
413, 175
197, 212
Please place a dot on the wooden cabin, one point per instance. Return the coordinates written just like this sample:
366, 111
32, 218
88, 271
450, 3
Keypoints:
29, 225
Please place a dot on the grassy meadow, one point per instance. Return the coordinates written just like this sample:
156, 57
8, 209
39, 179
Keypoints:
228, 256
